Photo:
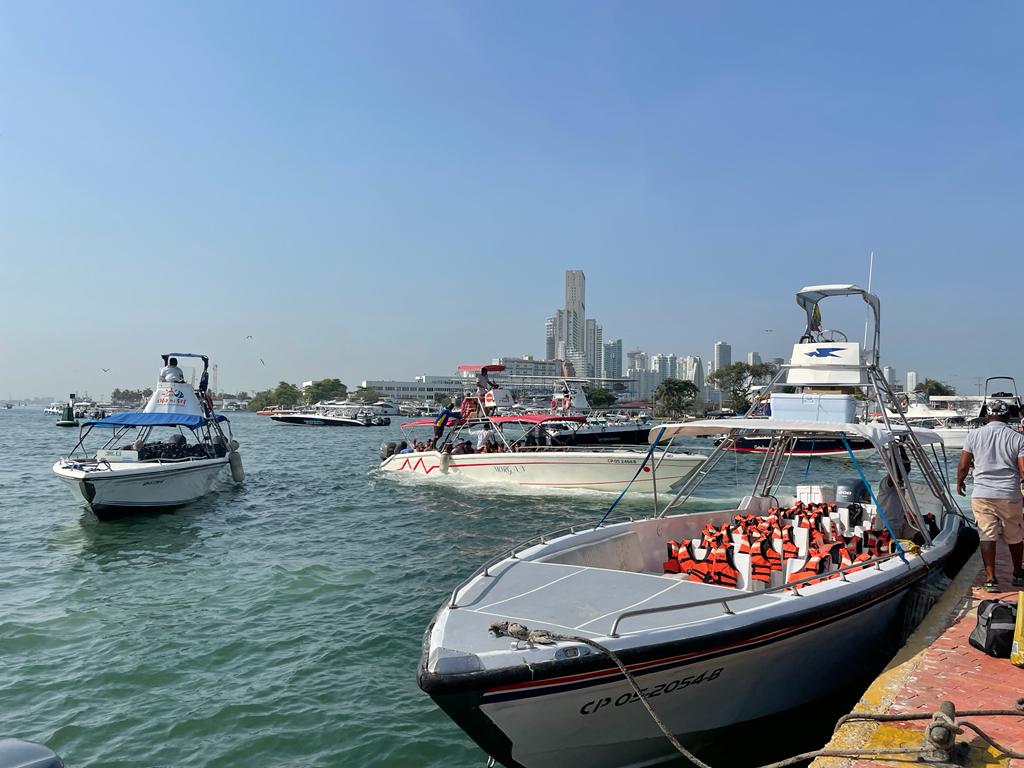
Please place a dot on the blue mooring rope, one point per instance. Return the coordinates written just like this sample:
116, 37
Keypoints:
881, 512
650, 452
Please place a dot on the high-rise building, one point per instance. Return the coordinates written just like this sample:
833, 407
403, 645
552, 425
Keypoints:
593, 344
611, 360
889, 373
666, 365
575, 311
723, 355
636, 360
911, 381
753, 358
560, 333
549, 338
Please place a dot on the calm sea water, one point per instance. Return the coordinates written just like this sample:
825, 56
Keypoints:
274, 623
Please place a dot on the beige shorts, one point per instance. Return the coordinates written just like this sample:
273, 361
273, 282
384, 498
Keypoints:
997, 517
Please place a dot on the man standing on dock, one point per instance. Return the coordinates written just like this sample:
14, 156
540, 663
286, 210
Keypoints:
997, 453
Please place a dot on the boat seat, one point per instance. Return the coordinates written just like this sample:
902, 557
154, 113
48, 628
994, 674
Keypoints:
742, 563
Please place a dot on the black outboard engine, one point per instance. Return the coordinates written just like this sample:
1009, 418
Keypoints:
852, 491
15, 753
386, 449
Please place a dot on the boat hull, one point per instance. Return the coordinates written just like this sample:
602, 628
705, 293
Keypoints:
599, 722
615, 434
315, 420
807, 447
594, 470
143, 486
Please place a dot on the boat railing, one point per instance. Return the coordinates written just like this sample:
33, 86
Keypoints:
532, 542
727, 601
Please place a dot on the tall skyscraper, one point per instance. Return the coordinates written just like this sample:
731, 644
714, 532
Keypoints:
723, 355
549, 338
593, 346
753, 358
889, 373
575, 311
911, 381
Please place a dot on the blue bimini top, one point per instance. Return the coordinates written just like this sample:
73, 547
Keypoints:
141, 419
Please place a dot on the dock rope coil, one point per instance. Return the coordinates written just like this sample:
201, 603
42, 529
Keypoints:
940, 736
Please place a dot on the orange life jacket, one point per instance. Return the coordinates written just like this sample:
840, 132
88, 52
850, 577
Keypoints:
723, 572
785, 535
815, 566
761, 563
680, 557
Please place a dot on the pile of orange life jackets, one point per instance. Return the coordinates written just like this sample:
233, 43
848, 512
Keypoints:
757, 536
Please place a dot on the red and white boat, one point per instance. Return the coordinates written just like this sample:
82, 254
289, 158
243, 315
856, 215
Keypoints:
521, 458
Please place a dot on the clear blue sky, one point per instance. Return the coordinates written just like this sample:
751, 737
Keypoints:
378, 190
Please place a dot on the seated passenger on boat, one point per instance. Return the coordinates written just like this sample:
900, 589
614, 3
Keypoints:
171, 373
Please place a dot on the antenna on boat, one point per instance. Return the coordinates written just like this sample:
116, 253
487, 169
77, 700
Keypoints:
867, 318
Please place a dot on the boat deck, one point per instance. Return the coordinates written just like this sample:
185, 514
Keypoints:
581, 600
938, 664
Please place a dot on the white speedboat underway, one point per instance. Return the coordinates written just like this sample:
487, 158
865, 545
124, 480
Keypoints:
722, 618
167, 455
517, 457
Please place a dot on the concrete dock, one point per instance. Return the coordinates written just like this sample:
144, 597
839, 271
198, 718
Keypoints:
937, 664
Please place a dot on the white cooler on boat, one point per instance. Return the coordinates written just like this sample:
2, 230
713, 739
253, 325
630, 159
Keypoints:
840, 409
815, 494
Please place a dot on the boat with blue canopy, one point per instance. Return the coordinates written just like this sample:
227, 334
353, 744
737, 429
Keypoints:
169, 454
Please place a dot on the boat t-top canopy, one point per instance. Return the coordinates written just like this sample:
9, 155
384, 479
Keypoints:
809, 297
484, 368
143, 419
878, 435
204, 358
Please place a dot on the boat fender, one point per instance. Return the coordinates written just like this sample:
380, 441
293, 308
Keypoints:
445, 461
235, 462
233, 445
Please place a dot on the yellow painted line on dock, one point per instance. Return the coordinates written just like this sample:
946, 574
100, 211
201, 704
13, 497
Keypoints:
884, 690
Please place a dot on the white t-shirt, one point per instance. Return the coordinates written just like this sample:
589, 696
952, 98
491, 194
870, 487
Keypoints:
483, 437
171, 373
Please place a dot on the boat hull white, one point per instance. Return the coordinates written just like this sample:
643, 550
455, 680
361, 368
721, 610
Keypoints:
603, 725
126, 487
594, 470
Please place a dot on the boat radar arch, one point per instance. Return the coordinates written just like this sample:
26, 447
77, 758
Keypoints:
827, 358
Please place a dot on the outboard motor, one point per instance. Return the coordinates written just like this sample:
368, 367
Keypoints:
15, 753
852, 491
388, 449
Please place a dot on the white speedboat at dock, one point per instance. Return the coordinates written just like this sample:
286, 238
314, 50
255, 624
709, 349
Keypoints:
722, 618
166, 455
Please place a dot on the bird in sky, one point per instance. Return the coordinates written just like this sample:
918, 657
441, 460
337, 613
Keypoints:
261, 360
105, 370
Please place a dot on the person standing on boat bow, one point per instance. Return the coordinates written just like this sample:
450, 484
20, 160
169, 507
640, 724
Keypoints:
171, 372
997, 453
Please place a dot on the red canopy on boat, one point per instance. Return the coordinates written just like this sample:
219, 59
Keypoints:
536, 418
486, 368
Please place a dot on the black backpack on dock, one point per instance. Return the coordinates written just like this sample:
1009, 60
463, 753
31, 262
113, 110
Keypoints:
994, 632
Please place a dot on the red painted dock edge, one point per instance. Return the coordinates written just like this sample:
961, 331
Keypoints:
946, 668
